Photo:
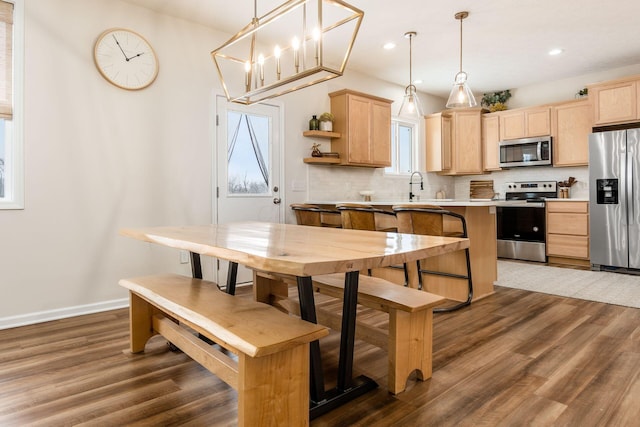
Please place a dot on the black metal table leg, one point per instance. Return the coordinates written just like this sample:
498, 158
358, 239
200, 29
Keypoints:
347, 388
308, 313
196, 266
232, 275
348, 336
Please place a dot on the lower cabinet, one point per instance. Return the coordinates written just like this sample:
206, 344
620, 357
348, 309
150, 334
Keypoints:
568, 233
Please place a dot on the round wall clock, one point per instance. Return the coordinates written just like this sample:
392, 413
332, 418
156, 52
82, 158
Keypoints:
125, 59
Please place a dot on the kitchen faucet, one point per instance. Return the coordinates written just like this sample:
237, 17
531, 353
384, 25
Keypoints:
411, 195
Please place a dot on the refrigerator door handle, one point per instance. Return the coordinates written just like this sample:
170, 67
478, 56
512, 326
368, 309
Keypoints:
624, 184
629, 179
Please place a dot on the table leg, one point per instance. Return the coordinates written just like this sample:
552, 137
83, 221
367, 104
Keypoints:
196, 266
347, 388
348, 336
232, 275
308, 313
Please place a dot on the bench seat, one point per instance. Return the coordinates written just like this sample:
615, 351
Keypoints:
271, 373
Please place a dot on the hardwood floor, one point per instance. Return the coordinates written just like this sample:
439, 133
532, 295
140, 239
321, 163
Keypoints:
514, 358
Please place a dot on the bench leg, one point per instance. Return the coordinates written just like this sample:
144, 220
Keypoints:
410, 347
140, 323
267, 289
274, 389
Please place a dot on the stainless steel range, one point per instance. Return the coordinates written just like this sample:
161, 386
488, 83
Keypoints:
521, 220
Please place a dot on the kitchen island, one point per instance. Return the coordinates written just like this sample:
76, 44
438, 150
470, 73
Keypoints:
481, 227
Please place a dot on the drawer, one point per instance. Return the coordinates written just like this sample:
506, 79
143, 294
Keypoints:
575, 207
568, 246
568, 223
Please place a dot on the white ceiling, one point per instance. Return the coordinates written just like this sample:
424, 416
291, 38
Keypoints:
506, 42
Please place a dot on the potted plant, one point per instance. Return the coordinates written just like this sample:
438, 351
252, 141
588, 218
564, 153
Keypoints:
496, 101
326, 122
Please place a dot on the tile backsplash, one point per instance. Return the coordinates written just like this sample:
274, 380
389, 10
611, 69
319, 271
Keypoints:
535, 173
335, 183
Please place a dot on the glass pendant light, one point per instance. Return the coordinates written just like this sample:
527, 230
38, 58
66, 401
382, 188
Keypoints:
461, 95
411, 103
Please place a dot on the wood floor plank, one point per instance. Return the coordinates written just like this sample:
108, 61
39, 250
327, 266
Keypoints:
513, 358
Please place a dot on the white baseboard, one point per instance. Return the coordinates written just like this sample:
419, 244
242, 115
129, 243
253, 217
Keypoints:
61, 313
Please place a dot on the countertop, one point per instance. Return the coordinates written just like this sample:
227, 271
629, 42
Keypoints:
438, 202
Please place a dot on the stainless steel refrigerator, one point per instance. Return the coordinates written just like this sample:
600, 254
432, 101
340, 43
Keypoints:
614, 199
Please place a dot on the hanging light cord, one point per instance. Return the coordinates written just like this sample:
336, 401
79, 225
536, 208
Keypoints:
410, 58
461, 18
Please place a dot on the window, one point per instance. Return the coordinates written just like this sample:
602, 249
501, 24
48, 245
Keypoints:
11, 64
403, 137
247, 154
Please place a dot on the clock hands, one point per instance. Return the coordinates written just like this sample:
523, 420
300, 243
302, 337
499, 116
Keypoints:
125, 55
135, 56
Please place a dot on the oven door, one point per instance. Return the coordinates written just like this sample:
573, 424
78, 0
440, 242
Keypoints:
522, 232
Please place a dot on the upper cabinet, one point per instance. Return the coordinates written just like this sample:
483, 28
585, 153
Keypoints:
572, 122
616, 101
491, 141
364, 124
454, 142
525, 123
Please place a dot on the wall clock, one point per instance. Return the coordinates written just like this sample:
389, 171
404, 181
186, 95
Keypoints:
125, 59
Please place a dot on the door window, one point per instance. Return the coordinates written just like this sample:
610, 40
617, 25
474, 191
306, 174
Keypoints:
247, 154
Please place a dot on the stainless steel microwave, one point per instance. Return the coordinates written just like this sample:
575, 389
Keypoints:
525, 152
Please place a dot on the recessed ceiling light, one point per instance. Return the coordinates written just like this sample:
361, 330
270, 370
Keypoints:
389, 45
417, 81
556, 51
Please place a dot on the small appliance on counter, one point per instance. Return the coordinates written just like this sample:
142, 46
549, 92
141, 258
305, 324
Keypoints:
521, 221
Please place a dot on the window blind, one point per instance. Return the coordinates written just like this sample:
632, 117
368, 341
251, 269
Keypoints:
6, 67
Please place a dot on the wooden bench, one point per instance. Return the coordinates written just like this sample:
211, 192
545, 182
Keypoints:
409, 340
271, 374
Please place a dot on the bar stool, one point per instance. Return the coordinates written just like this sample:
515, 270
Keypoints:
364, 217
307, 214
430, 220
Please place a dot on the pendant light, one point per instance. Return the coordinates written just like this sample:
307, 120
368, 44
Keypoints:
461, 95
411, 103
298, 44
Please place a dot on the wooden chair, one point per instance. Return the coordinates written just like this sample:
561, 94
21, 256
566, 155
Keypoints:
430, 220
307, 214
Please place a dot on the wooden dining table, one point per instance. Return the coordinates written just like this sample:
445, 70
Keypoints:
303, 252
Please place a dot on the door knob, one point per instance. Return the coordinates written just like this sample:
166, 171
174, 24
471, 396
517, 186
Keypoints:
276, 200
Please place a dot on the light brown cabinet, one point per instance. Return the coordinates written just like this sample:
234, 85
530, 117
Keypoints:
454, 142
364, 124
525, 123
568, 232
490, 142
572, 122
616, 101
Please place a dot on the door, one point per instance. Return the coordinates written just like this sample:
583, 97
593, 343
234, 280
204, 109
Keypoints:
607, 203
248, 168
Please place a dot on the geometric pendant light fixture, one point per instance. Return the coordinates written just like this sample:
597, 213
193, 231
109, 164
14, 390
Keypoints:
410, 103
298, 44
461, 95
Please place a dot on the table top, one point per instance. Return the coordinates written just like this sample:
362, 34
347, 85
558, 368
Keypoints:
296, 249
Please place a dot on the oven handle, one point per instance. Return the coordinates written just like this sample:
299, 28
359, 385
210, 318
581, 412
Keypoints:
523, 205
